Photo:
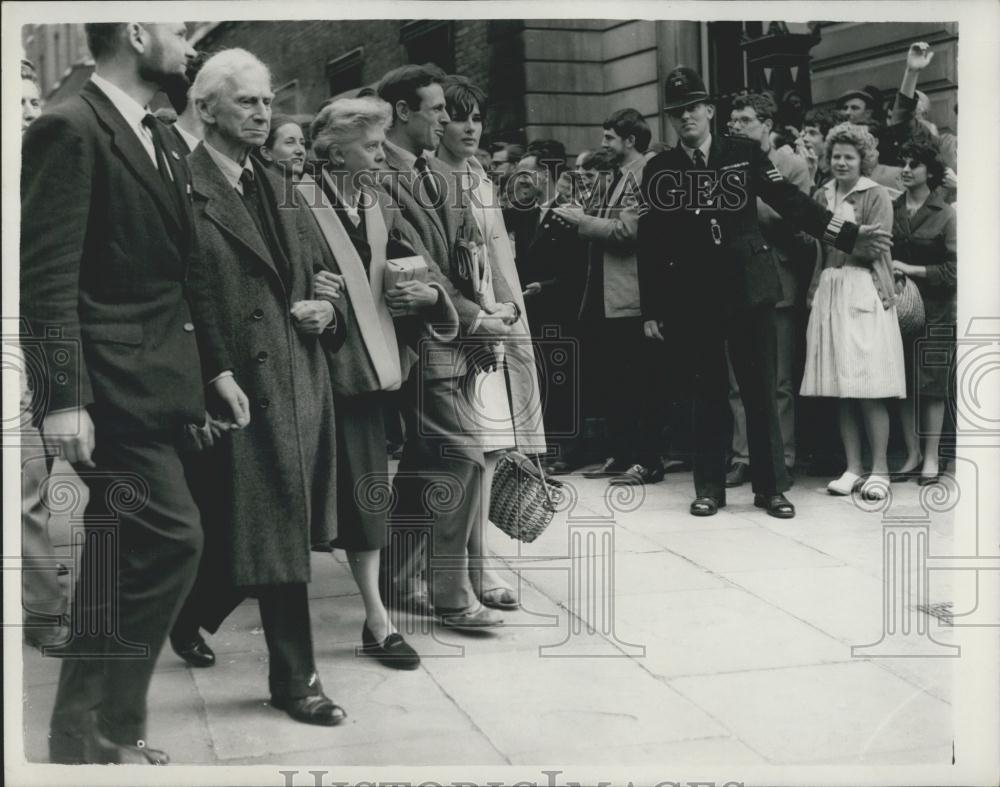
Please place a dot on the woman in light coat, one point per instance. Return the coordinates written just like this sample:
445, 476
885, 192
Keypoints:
509, 413
363, 231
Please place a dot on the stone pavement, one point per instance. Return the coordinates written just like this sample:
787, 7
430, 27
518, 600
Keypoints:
718, 640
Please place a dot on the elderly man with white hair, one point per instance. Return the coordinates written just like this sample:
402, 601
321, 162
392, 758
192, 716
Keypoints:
268, 495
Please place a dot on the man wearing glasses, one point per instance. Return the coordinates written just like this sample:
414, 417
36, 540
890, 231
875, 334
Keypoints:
707, 276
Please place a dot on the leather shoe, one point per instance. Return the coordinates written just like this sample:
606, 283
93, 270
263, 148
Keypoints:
558, 467
101, 750
738, 474
706, 506
197, 653
776, 505
676, 466
393, 651
473, 618
925, 480
610, 467
637, 475
314, 709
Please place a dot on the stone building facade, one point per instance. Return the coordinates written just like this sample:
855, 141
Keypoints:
545, 78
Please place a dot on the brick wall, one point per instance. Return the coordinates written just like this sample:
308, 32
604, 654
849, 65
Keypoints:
300, 51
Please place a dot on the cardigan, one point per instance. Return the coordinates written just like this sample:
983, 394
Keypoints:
870, 204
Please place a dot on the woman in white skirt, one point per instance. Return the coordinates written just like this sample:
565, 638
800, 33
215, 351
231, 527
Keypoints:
502, 418
854, 350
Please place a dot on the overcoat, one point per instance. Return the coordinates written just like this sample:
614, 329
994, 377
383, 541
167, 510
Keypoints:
930, 237
276, 477
378, 354
519, 351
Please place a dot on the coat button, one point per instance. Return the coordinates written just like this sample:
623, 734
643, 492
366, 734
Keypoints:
189, 327
258, 314
262, 356
264, 403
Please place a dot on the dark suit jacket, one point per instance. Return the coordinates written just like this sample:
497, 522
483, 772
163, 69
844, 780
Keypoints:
699, 257
105, 250
550, 252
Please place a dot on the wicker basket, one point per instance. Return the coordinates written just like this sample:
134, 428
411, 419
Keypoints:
522, 500
909, 306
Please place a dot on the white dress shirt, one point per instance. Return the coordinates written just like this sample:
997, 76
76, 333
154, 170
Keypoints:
129, 109
703, 147
232, 170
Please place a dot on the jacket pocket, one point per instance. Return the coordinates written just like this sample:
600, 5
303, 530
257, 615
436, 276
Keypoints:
113, 333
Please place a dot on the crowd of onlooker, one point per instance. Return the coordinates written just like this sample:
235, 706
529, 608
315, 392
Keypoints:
311, 277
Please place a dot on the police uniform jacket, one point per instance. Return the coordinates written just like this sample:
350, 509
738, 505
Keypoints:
700, 243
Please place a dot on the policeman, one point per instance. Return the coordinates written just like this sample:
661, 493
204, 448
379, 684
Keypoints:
707, 276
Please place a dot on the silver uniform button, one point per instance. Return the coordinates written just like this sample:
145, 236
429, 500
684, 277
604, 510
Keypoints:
189, 327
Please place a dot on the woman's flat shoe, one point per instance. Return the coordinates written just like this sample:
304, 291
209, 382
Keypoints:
924, 480
876, 487
902, 476
393, 651
500, 598
844, 485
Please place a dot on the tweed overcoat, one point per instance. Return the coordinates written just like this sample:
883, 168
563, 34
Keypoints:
276, 477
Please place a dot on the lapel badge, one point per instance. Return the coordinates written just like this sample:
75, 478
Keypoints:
175, 154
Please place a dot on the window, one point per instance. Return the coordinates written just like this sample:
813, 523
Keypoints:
429, 41
344, 73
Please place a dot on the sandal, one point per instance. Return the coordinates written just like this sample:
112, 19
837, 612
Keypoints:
500, 598
845, 484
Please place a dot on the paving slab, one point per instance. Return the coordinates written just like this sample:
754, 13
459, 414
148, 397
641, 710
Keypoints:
830, 712
704, 632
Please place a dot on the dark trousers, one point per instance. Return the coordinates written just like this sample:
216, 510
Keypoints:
284, 609
627, 360
751, 337
284, 616
143, 542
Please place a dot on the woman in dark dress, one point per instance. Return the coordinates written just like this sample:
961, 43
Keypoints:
924, 248
363, 230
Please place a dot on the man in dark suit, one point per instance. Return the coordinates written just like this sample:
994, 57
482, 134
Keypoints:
439, 446
106, 242
707, 275
551, 263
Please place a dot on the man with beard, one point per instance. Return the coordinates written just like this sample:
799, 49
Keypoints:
106, 241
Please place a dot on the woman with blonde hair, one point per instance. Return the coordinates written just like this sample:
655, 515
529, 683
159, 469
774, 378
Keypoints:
854, 350
508, 405
364, 231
